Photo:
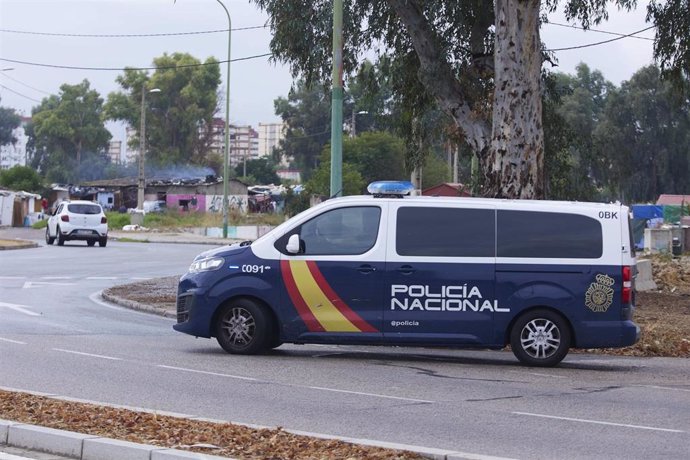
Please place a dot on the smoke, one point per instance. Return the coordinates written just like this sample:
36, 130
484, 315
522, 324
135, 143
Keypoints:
180, 172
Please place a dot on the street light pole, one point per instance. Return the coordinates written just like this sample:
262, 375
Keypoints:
227, 128
142, 147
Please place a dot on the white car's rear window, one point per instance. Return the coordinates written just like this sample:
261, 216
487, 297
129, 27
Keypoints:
84, 208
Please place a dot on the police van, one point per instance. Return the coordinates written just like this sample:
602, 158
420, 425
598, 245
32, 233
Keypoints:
394, 269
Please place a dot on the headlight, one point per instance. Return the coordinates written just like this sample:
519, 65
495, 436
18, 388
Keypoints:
205, 265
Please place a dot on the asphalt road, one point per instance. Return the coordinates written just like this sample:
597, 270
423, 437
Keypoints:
57, 337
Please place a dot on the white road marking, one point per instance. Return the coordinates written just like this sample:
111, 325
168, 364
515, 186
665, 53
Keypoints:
12, 341
656, 387
57, 277
598, 422
33, 284
95, 298
376, 395
208, 373
5, 456
140, 278
19, 308
101, 278
87, 354
335, 390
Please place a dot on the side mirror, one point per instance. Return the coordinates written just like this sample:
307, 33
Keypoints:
293, 245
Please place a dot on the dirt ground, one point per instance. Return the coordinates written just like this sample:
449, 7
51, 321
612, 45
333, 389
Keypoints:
222, 439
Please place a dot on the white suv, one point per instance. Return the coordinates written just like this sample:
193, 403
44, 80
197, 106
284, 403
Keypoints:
78, 220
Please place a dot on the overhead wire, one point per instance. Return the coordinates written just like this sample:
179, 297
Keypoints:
19, 94
602, 42
180, 66
24, 84
165, 34
601, 31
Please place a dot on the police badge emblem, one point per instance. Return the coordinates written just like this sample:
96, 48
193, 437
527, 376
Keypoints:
599, 296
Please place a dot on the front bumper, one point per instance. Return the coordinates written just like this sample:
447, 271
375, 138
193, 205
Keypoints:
193, 315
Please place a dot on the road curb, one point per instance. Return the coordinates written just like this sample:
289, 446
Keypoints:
87, 447
136, 305
24, 245
51, 440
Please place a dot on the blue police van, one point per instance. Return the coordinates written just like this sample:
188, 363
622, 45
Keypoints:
394, 269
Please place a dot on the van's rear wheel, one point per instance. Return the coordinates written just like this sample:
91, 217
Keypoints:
243, 327
540, 338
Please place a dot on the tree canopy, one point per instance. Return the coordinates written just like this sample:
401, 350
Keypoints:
9, 121
179, 117
479, 62
366, 158
64, 128
21, 178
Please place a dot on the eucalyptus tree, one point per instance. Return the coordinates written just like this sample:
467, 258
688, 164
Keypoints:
479, 62
305, 112
644, 138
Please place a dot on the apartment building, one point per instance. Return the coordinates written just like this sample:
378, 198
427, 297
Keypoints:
270, 135
15, 154
115, 152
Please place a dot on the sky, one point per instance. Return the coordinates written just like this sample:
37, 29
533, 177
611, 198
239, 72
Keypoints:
255, 83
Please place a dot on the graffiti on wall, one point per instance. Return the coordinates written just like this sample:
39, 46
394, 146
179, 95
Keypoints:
214, 203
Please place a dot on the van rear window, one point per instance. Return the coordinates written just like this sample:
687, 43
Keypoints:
548, 235
445, 232
84, 208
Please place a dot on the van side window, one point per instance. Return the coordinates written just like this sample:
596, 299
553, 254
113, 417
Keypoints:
445, 232
342, 231
548, 235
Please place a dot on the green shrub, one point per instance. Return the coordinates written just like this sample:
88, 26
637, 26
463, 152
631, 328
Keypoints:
117, 220
39, 224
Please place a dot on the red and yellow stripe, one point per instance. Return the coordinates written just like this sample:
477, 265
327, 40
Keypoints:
321, 309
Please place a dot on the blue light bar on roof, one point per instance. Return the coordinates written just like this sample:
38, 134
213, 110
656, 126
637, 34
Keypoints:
390, 188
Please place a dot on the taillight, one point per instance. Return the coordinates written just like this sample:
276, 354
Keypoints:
626, 293
104, 220
64, 218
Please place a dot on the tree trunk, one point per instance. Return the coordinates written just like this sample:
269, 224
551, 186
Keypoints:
514, 163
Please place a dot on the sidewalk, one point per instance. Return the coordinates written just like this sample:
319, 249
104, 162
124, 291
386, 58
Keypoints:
168, 237
27, 237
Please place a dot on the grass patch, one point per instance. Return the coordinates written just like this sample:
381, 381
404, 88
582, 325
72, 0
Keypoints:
173, 219
39, 224
131, 240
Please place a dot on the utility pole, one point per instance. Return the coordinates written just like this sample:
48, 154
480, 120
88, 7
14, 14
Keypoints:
227, 127
142, 147
337, 102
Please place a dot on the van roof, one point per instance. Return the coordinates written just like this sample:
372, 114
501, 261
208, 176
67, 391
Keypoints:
500, 202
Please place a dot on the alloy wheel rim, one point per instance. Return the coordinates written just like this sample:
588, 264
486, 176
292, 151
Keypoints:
239, 326
540, 338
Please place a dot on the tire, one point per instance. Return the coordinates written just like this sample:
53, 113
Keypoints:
540, 338
243, 328
49, 239
60, 238
91, 242
103, 241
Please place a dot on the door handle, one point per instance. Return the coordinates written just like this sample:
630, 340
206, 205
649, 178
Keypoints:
366, 269
406, 270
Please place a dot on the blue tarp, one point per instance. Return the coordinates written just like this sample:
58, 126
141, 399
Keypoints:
647, 211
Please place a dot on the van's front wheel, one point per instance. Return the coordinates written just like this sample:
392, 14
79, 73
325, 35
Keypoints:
243, 327
540, 338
